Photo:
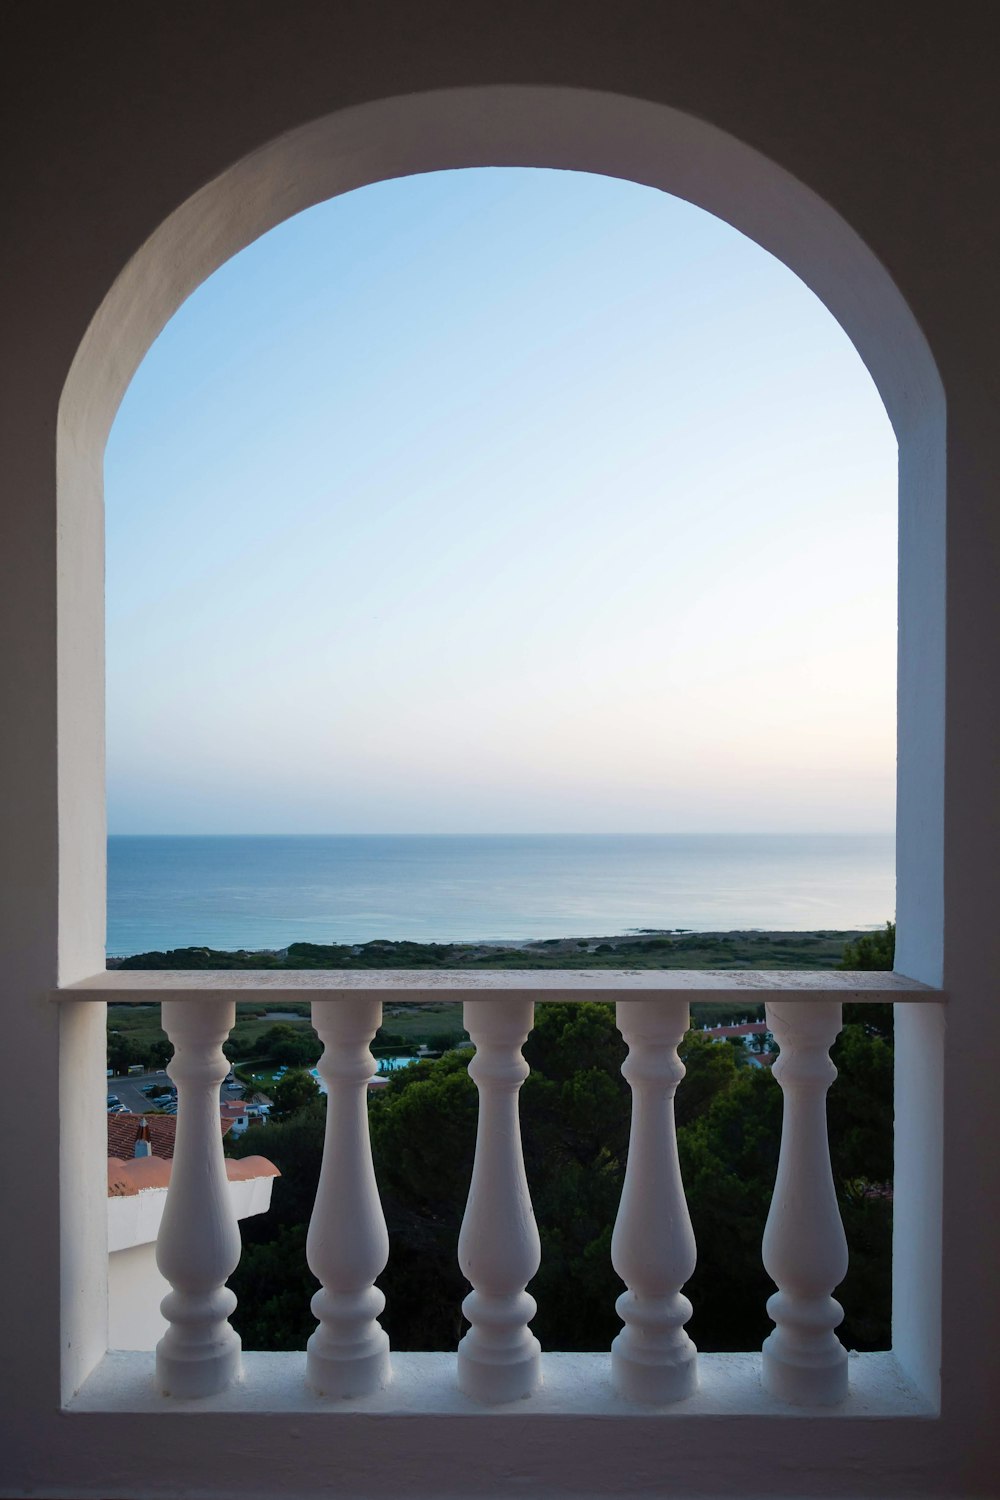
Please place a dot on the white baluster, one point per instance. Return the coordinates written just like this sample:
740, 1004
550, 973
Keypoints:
347, 1245
499, 1359
653, 1248
198, 1246
805, 1250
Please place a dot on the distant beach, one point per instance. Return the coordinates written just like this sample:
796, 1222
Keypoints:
266, 892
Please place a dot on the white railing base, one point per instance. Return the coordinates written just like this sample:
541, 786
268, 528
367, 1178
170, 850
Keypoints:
653, 1376
193, 1373
803, 1379
274, 1385
508, 1372
366, 1373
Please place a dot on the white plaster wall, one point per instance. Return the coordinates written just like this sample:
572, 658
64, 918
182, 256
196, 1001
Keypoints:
135, 1286
135, 1291
887, 116
134, 1218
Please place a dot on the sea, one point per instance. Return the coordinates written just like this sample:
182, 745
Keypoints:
266, 891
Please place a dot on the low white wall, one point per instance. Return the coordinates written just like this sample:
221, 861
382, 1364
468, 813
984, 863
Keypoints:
135, 1286
135, 1291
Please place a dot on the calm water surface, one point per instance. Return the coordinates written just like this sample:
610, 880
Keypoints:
267, 892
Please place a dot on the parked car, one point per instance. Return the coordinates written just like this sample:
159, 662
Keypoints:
113, 1101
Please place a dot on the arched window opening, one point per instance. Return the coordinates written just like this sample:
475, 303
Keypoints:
505, 503
507, 558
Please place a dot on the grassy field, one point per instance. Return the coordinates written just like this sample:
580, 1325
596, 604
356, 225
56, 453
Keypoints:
436, 1024
428, 1025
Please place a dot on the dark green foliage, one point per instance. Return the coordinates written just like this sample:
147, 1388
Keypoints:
273, 1283
575, 1119
160, 1053
646, 950
871, 950
296, 1048
729, 1156
125, 1051
866, 1293
274, 1287
423, 1127
860, 1103
711, 1070
292, 1093
447, 1041
575, 1131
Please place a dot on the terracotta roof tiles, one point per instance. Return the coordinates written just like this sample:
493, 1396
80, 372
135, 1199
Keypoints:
127, 1178
162, 1132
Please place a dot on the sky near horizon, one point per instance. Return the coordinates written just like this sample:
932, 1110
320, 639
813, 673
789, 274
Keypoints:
501, 501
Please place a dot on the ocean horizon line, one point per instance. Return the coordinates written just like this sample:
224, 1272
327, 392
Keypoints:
762, 833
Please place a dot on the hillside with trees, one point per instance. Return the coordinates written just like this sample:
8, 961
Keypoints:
575, 1116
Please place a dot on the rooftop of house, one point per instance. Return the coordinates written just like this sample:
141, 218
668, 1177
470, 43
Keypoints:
123, 1129
141, 1173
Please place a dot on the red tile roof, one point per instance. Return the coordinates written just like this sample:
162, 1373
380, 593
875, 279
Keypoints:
126, 1178
162, 1132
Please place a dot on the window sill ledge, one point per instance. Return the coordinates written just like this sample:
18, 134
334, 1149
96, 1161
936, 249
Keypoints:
573, 1385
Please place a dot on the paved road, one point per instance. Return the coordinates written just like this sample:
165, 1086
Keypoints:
129, 1091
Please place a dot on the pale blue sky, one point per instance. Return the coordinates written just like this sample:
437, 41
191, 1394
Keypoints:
501, 501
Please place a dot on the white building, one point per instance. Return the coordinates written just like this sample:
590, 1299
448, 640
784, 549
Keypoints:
137, 1196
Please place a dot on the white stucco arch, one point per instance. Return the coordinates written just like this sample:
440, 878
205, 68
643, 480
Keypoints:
512, 125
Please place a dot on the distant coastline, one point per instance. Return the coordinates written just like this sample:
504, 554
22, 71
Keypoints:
667, 948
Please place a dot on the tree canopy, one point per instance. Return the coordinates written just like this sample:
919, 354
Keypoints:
293, 1093
871, 950
575, 1121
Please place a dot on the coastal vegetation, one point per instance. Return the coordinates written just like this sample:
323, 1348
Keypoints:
667, 949
575, 1120
872, 950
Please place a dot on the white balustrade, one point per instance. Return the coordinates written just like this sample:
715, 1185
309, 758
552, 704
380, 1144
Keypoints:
198, 1246
347, 1244
499, 1359
653, 1248
805, 1249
